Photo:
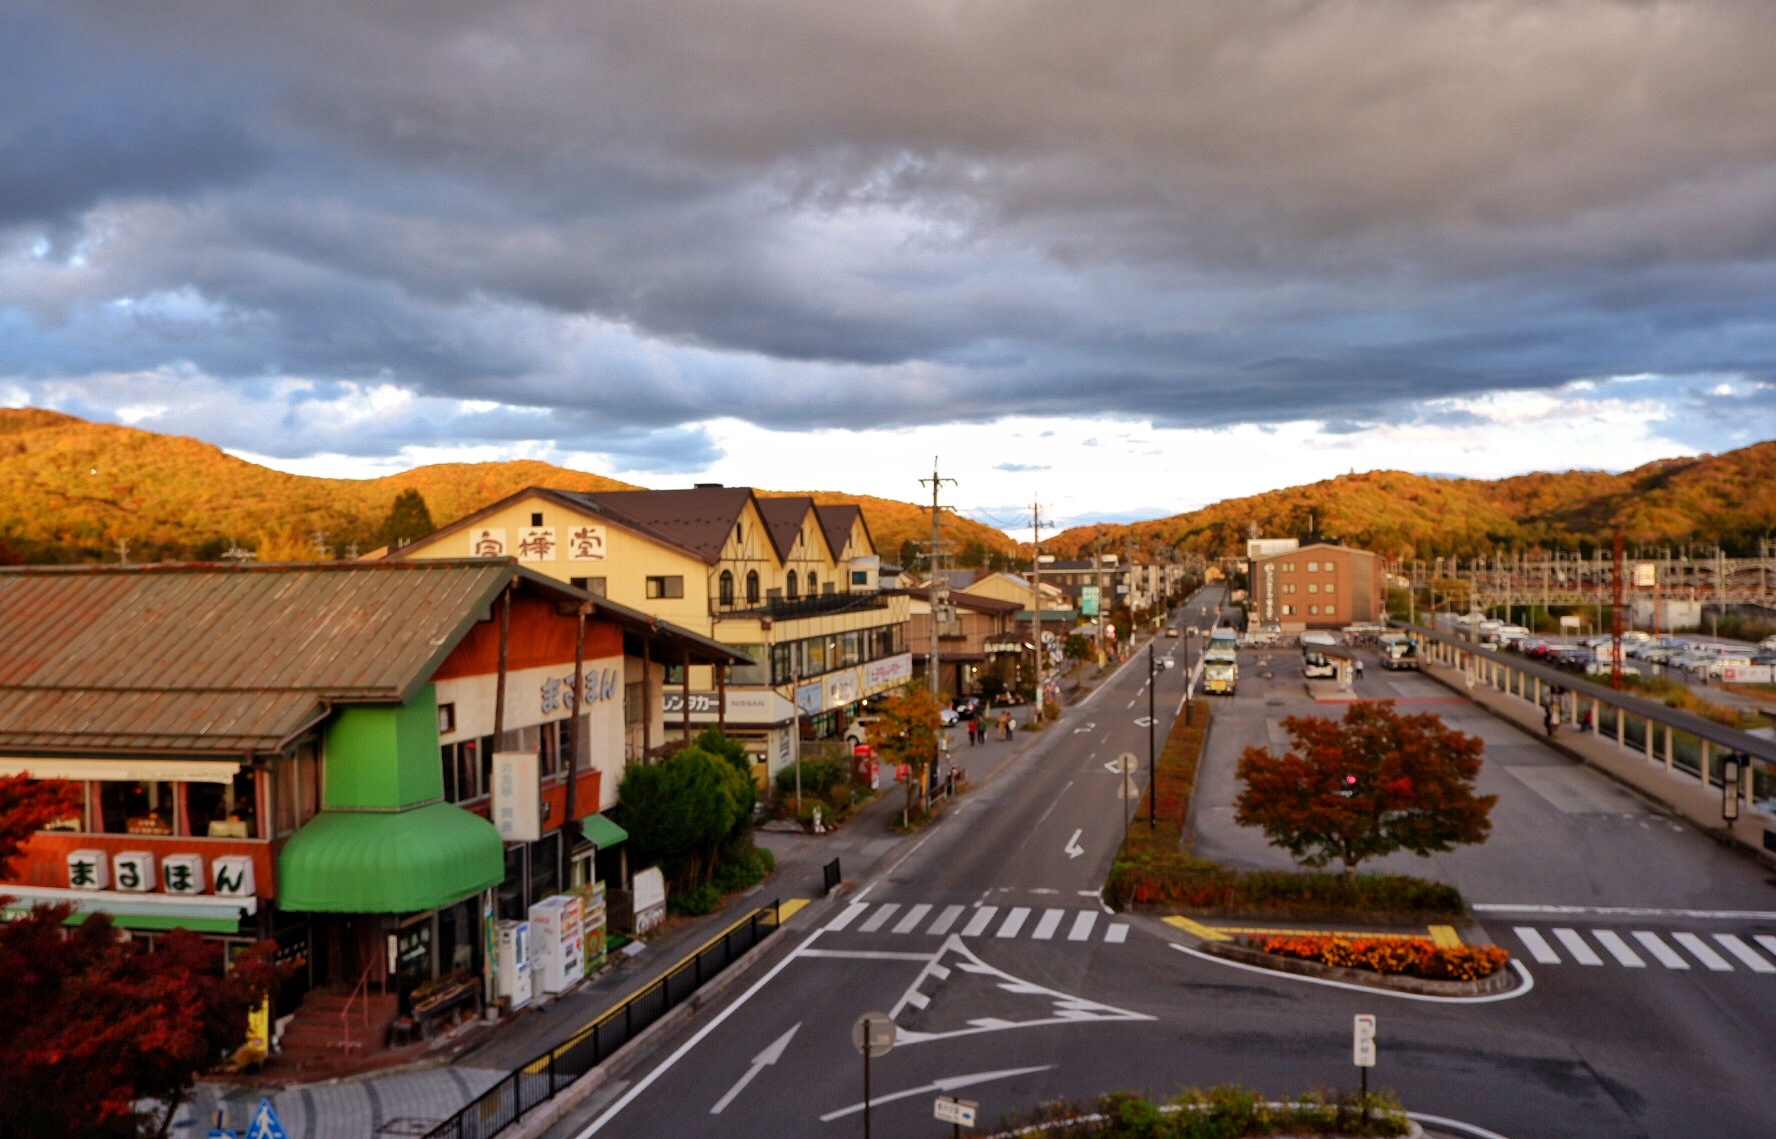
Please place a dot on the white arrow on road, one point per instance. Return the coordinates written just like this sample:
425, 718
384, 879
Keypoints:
772, 1053
948, 1084
1073, 849
1143, 721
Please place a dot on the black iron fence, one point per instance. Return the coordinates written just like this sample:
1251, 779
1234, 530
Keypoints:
540, 1080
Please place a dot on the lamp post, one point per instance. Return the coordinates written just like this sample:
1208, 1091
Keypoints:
1153, 671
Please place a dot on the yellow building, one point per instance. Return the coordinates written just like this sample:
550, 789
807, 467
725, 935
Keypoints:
791, 583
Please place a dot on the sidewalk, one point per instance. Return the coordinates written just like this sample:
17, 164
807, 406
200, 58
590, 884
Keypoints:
410, 1100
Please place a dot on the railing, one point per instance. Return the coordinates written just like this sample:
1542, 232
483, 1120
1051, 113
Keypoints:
825, 604
535, 1083
361, 989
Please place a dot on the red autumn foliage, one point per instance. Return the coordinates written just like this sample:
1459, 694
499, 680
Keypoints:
1364, 786
90, 1024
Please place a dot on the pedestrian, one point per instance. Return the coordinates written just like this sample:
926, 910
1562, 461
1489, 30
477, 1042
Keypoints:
1548, 718
1359, 668
976, 730
1004, 728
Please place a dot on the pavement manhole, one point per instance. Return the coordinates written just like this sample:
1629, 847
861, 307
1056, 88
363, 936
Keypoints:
408, 1125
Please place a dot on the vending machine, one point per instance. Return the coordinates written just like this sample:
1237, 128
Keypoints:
556, 924
514, 963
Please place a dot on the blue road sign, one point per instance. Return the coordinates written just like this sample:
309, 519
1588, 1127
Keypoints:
266, 1124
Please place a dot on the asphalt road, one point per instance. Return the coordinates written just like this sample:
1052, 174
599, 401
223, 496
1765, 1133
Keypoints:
1010, 983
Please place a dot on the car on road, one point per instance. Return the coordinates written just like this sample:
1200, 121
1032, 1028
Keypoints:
1172, 631
968, 707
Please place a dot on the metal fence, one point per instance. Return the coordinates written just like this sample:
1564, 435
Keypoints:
543, 1078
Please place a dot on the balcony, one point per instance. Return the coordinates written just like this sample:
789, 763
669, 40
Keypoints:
826, 605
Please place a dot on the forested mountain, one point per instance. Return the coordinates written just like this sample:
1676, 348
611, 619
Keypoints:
1728, 498
75, 491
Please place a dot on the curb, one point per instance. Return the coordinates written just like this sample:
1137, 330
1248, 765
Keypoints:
1503, 980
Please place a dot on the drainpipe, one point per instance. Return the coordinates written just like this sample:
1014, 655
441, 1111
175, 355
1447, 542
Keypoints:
499, 685
647, 695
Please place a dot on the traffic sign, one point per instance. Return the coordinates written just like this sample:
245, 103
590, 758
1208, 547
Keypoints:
266, 1124
958, 1111
873, 1034
1363, 1044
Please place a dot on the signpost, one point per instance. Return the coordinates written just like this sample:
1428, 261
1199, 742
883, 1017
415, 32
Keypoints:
872, 1035
959, 1113
1363, 1055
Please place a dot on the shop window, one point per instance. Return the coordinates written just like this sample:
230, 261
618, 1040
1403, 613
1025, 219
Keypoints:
793, 589
136, 808
634, 703
852, 648
463, 778
725, 589
782, 664
749, 674
817, 663
545, 868
224, 810
553, 745
668, 586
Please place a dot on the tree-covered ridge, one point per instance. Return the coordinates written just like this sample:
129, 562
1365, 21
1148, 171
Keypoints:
1729, 498
72, 491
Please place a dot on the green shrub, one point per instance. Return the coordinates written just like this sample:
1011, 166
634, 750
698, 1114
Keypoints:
695, 900
818, 777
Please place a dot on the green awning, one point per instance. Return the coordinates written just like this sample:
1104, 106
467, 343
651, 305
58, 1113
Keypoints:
602, 831
389, 862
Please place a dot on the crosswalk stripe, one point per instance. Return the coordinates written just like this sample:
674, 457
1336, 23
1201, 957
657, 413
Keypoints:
1051, 921
1082, 925
1662, 953
1765, 940
1700, 951
1576, 946
1116, 933
1612, 941
978, 924
945, 920
912, 919
846, 916
1014, 921
1537, 945
1745, 953
880, 918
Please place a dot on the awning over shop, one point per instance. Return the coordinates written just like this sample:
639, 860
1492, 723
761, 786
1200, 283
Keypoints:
202, 913
389, 862
602, 831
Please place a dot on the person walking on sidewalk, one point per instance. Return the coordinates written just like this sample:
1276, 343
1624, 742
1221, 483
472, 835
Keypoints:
1548, 718
1359, 664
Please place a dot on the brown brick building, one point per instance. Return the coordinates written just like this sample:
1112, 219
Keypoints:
1318, 586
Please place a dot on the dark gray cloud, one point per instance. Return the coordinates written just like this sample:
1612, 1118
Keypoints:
812, 213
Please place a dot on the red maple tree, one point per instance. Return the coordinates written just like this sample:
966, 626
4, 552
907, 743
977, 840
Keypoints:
1364, 786
98, 1036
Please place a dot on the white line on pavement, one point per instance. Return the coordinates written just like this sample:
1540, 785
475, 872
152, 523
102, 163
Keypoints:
1621, 911
1612, 941
1662, 953
1745, 953
1047, 924
1576, 946
1014, 921
846, 916
946, 919
1082, 926
1523, 973
880, 918
913, 917
978, 924
1700, 951
1537, 945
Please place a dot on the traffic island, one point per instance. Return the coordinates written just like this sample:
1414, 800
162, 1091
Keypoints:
1226, 1111
1499, 979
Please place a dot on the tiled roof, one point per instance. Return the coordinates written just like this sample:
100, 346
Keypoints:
837, 520
699, 519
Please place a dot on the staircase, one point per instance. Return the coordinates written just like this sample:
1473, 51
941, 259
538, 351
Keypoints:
319, 1043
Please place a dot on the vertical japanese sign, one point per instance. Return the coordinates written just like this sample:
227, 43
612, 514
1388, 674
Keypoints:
517, 810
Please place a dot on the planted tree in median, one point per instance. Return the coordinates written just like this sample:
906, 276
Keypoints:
906, 732
1370, 784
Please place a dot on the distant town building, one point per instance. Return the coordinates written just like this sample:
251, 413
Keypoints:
1317, 586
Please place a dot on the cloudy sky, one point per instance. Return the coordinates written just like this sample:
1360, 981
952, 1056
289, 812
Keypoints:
1122, 259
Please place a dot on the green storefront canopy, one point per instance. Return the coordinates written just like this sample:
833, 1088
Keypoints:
602, 831
389, 862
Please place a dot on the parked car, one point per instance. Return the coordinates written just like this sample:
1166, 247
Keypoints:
968, 707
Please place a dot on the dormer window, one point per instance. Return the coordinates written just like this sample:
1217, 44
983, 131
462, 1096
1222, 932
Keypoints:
792, 591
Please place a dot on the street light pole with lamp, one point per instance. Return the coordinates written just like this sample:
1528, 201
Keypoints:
1153, 671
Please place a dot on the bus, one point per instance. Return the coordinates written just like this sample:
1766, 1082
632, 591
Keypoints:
1315, 664
1221, 672
1222, 638
1398, 651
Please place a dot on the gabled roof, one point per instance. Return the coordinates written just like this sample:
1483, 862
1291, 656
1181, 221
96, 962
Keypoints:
698, 520
837, 520
226, 659
967, 600
784, 517
569, 499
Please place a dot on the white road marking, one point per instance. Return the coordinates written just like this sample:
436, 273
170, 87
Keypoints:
1047, 924
912, 919
1456, 1124
1082, 926
1073, 849
1662, 953
1523, 974
978, 924
1014, 921
880, 918
1576, 946
952, 1083
1700, 951
1765, 940
1612, 941
846, 916
1537, 945
773, 1052
1116, 933
1622, 911
1746, 954
946, 919
865, 955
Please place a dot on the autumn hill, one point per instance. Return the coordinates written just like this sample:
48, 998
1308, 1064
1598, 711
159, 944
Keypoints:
72, 490
1728, 498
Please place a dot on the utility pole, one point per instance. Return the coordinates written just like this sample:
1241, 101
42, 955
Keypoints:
940, 587
1036, 598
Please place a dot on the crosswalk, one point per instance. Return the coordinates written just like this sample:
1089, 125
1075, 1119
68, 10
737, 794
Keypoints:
927, 919
1644, 949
